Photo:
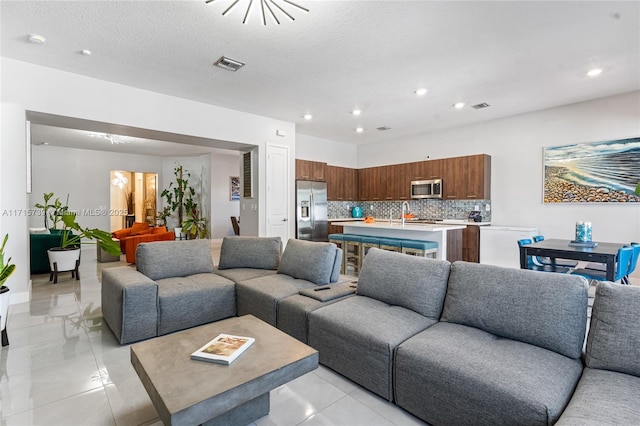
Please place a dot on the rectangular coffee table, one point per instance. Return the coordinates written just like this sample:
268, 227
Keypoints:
190, 392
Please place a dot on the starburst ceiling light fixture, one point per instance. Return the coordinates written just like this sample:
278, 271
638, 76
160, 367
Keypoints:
273, 8
114, 139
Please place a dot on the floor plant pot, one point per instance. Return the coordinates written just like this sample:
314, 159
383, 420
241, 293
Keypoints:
4, 311
63, 259
179, 234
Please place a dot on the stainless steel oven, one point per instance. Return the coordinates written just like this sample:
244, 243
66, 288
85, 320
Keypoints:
431, 188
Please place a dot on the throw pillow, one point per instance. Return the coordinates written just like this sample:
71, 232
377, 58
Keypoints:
138, 227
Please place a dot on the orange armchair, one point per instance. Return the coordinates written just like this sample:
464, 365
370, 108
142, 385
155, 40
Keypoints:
138, 228
159, 233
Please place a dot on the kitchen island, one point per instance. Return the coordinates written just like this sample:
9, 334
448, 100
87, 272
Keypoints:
448, 236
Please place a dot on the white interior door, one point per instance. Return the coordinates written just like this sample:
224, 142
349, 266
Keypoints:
278, 196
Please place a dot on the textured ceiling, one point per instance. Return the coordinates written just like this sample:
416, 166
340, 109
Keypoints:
517, 56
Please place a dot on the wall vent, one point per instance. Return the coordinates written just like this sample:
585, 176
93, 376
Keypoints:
384, 128
228, 64
480, 106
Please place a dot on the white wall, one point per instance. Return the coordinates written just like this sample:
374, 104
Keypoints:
328, 151
84, 175
222, 208
516, 148
28, 87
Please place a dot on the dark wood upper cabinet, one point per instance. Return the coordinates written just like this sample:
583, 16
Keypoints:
463, 178
467, 178
342, 184
311, 170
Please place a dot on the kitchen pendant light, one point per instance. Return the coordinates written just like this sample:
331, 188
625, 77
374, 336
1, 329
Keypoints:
267, 7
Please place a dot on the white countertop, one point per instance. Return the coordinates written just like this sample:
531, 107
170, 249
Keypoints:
398, 226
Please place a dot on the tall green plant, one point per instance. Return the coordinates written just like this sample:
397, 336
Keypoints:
180, 197
59, 209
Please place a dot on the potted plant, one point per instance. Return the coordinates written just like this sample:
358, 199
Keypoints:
179, 197
67, 256
6, 269
195, 226
59, 210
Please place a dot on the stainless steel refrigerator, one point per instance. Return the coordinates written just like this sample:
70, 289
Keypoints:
311, 211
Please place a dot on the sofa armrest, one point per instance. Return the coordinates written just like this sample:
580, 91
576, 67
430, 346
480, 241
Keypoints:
129, 304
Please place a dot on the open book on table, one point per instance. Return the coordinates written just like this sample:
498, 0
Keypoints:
224, 349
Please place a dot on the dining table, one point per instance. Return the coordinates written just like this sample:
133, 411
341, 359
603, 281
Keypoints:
605, 253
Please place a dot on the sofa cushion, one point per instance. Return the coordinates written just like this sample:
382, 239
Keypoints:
412, 282
337, 265
260, 296
250, 252
459, 375
164, 259
614, 334
243, 274
185, 302
545, 309
357, 337
603, 398
309, 260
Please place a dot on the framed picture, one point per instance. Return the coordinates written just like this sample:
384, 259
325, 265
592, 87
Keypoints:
234, 188
598, 172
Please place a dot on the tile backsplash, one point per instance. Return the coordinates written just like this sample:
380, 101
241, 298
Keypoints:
428, 209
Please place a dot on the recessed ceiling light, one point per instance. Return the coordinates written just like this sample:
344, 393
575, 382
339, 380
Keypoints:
356, 112
459, 105
594, 72
37, 39
85, 52
359, 130
308, 116
421, 91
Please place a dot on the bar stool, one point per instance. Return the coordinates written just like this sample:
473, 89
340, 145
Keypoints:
367, 243
338, 240
352, 253
391, 244
420, 248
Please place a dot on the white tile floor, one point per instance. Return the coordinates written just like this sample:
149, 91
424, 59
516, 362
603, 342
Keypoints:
64, 367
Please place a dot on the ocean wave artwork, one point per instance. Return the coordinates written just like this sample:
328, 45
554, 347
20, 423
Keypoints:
598, 172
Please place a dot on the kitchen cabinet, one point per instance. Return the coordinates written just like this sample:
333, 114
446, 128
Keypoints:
369, 182
466, 178
342, 184
471, 244
397, 182
454, 245
423, 170
311, 170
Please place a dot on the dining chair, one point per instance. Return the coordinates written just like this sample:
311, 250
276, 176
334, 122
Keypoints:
236, 225
534, 265
623, 266
634, 262
603, 268
548, 261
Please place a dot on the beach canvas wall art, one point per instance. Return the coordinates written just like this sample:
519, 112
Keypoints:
598, 172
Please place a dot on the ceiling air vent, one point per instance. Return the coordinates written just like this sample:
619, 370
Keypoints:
480, 106
383, 128
228, 64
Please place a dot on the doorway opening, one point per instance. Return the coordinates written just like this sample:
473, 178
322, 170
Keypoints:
133, 198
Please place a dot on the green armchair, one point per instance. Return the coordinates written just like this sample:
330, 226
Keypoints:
40, 243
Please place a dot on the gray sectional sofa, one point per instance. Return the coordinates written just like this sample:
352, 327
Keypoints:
453, 343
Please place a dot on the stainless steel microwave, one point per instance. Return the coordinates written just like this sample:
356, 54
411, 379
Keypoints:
431, 188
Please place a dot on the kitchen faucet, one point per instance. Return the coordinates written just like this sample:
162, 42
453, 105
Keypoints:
405, 204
